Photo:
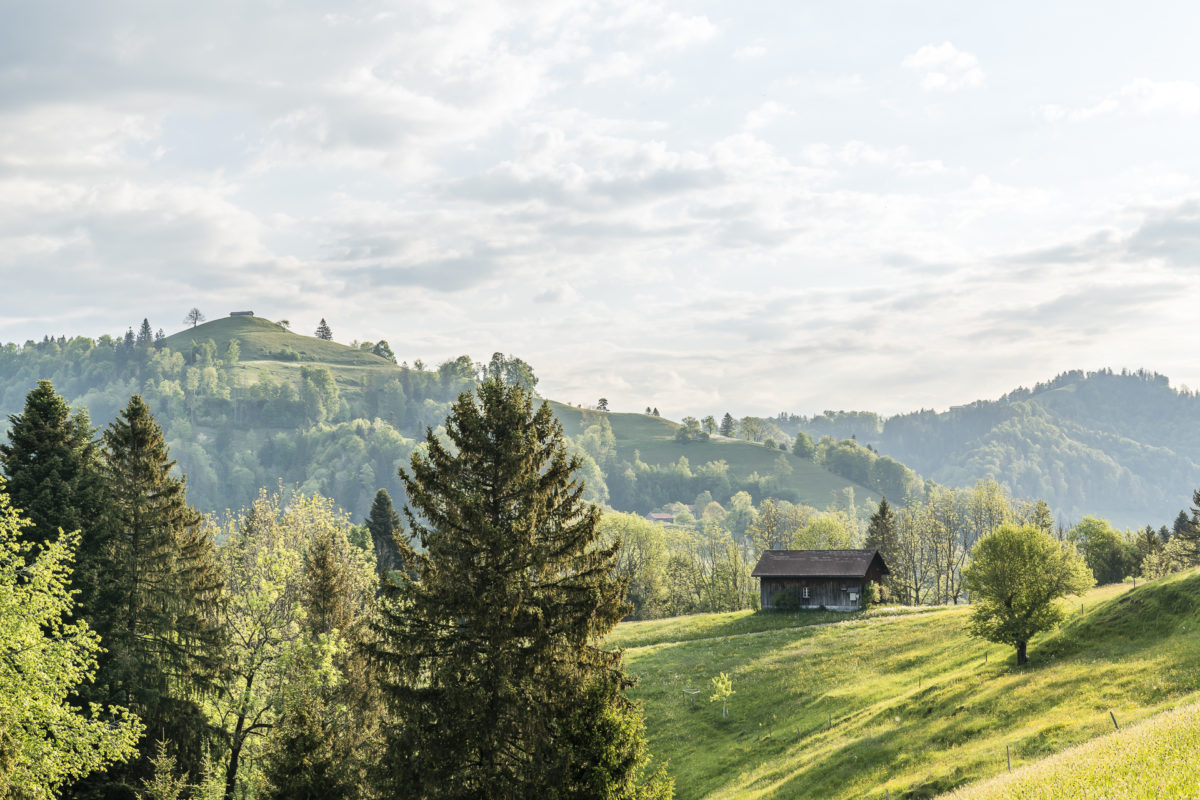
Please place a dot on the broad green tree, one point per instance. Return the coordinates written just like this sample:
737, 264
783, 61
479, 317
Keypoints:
497, 683
45, 740
641, 560
777, 524
327, 714
804, 447
1015, 576
1109, 555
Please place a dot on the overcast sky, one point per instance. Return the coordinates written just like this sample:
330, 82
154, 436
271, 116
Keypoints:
753, 207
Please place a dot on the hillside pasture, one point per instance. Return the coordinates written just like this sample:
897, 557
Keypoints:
907, 704
1156, 759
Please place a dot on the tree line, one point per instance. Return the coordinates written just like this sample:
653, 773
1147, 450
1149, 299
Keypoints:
280, 651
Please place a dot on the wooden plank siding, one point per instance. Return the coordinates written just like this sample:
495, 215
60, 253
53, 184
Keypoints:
833, 593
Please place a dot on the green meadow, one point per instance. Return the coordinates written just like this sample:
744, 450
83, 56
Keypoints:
905, 704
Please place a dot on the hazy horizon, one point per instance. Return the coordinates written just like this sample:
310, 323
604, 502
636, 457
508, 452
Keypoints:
702, 207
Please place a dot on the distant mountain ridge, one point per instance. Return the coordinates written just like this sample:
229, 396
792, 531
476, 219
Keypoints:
1123, 445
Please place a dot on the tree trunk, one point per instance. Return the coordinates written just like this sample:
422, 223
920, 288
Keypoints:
1021, 659
231, 769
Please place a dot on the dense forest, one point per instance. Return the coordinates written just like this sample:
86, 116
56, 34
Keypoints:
152, 653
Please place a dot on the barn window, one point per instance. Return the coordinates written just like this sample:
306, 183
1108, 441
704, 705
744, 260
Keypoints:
805, 593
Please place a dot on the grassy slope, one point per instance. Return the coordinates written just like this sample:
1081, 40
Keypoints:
262, 340
1157, 759
654, 439
914, 707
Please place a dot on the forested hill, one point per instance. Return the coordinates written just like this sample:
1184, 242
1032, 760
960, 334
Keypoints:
1125, 446
247, 403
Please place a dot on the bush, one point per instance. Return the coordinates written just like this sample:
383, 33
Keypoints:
870, 594
788, 599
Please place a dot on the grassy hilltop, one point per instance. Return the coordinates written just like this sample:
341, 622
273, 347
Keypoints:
903, 702
237, 424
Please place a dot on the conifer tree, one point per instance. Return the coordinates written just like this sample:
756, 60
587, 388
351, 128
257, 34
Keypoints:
495, 678
323, 331
384, 525
155, 607
52, 466
881, 534
727, 425
145, 336
1185, 544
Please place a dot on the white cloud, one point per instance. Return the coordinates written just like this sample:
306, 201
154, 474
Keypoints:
945, 68
1140, 96
764, 115
750, 52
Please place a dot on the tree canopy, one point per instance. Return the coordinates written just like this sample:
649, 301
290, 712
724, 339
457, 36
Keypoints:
496, 681
1015, 575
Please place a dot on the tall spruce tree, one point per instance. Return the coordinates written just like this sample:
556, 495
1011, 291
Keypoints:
52, 466
1186, 541
384, 524
145, 335
727, 425
496, 681
323, 331
882, 536
155, 608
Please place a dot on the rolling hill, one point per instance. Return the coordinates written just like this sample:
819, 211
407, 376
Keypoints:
1125, 446
652, 439
907, 703
339, 420
261, 340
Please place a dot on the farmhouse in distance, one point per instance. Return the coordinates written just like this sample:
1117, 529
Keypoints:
833, 579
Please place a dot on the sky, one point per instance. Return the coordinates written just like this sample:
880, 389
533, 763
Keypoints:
700, 207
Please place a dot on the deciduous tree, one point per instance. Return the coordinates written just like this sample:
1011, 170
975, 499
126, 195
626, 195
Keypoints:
45, 740
1015, 575
194, 317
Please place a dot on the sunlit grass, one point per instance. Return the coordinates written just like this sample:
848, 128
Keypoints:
905, 703
1158, 759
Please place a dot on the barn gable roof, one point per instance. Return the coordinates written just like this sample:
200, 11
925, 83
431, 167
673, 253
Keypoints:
817, 563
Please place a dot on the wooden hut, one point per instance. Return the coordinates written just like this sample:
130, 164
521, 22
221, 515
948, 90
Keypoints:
813, 578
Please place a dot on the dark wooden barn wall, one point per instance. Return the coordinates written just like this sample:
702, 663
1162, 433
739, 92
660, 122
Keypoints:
821, 591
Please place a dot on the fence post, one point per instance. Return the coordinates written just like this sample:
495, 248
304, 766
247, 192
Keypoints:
1008, 755
1114, 719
